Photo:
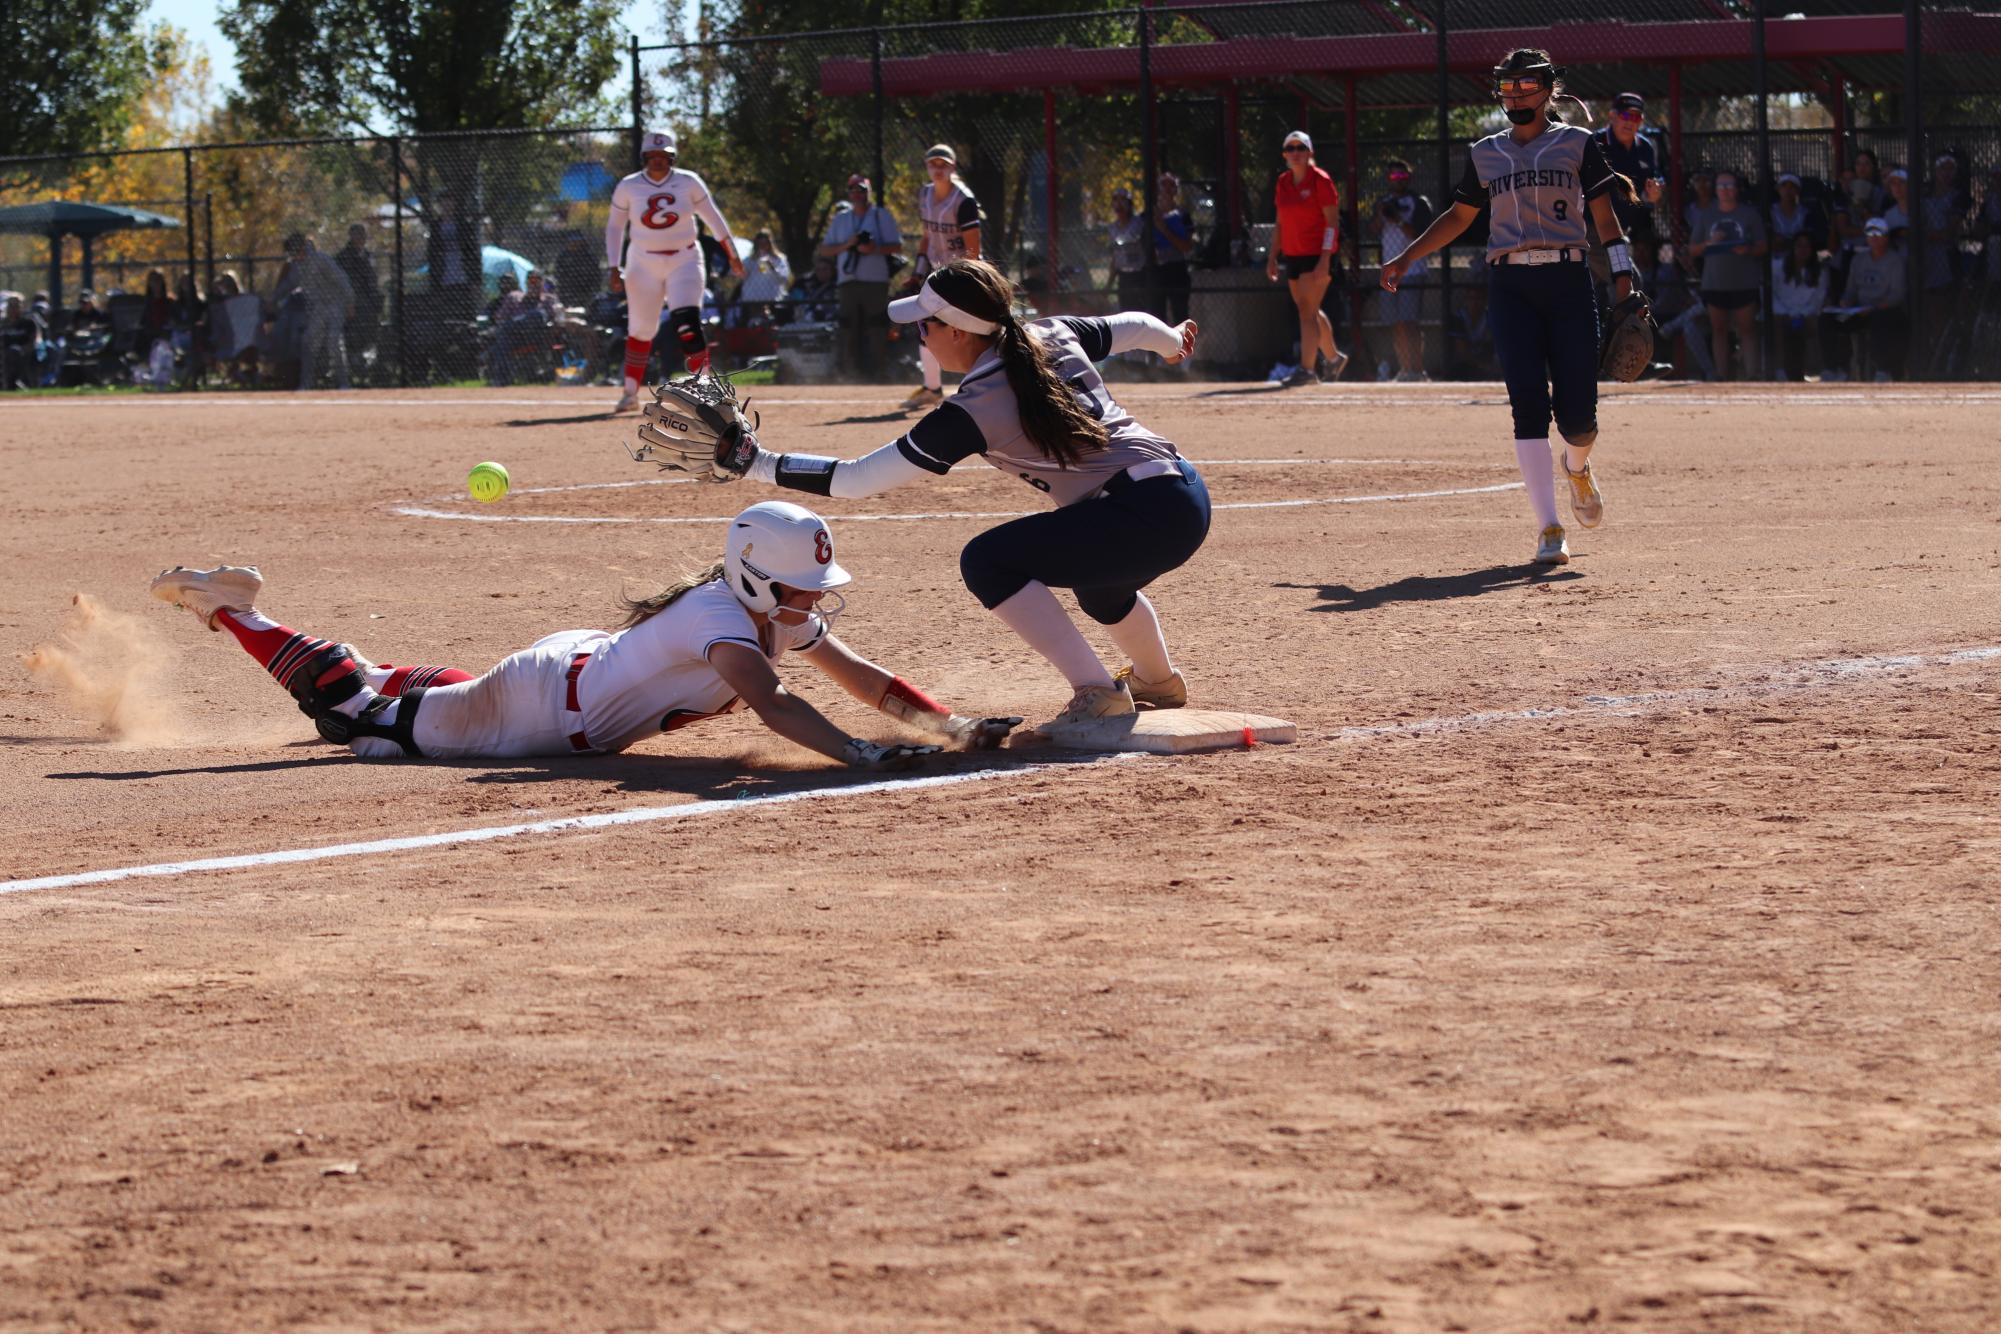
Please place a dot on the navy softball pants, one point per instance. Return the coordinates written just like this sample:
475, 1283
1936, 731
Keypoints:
1545, 322
1107, 549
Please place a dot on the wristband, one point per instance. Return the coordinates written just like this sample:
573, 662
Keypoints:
806, 472
1327, 241
1620, 252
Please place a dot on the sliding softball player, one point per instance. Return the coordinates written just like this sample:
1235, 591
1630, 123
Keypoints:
950, 217
701, 647
1538, 178
1129, 508
663, 268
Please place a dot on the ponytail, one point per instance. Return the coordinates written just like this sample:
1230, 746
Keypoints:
1050, 414
644, 609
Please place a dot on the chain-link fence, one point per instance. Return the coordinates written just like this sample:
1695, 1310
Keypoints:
1121, 158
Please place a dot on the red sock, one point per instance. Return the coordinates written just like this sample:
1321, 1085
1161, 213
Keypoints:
637, 350
278, 649
409, 678
698, 361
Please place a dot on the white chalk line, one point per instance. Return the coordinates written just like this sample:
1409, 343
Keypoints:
422, 512
1806, 676
1825, 674
570, 824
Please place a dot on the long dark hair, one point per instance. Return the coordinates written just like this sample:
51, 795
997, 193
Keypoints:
641, 609
1051, 416
1807, 275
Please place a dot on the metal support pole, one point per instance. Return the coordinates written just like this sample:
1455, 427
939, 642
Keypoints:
1767, 335
881, 109
1838, 112
1351, 217
1053, 249
1676, 170
1444, 185
208, 228
396, 289
638, 99
1916, 175
1233, 162
188, 204
1149, 186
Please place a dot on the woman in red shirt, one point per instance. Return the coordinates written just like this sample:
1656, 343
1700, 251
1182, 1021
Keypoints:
1308, 234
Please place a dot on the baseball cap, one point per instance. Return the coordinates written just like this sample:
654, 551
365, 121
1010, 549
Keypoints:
1786, 176
657, 141
927, 304
86, 295
941, 151
858, 180
1122, 193
1300, 137
1629, 102
1875, 227
1896, 174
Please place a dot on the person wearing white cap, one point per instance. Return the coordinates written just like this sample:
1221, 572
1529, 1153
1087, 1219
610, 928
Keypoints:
1876, 291
1792, 215
950, 217
1304, 242
662, 270
1129, 508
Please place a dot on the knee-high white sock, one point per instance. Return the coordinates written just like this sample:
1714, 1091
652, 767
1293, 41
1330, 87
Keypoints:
1036, 615
1139, 638
934, 375
1537, 472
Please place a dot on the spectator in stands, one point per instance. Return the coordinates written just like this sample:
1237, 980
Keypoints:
1799, 294
1471, 335
1173, 243
1677, 309
21, 347
1897, 213
509, 286
861, 238
1701, 195
1126, 233
359, 267
1876, 285
451, 256
1634, 156
576, 270
156, 317
521, 321
1987, 230
190, 328
605, 326
1943, 211
1401, 217
329, 303
816, 297
767, 277
1866, 170
1793, 216
1729, 238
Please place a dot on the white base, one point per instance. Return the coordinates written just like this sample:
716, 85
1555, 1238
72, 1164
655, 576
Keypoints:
1163, 732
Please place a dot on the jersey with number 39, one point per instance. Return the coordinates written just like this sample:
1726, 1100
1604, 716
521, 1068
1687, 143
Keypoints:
662, 213
982, 418
1536, 190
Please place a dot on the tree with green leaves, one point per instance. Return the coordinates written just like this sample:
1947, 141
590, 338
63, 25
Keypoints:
423, 66
75, 74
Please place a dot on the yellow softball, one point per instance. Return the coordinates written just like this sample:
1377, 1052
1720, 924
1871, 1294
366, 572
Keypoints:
487, 482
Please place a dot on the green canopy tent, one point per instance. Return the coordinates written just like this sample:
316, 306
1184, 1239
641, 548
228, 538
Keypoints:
58, 218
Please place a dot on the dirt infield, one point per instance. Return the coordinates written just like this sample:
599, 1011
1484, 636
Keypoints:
1617, 945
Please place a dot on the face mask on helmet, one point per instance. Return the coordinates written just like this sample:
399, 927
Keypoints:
775, 547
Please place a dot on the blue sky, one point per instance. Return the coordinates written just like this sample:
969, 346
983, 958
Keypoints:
197, 17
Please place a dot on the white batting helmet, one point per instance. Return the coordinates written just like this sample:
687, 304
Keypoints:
775, 543
657, 141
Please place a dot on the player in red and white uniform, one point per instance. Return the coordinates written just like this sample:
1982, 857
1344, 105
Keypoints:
702, 647
950, 218
663, 267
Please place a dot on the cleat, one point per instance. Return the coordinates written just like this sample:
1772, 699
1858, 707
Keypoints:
924, 398
1335, 365
1112, 701
1552, 550
1300, 377
206, 592
1169, 694
627, 402
1587, 502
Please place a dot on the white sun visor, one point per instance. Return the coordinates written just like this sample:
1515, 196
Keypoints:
928, 305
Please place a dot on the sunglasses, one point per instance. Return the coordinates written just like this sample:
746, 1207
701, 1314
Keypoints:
1295, 148
924, 326
1629, 113
1518, 87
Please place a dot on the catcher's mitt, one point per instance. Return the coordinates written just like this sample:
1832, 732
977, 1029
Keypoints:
1629, 339
695, 424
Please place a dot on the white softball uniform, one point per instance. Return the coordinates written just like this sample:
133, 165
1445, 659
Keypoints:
946, 222
596, 691
663, 270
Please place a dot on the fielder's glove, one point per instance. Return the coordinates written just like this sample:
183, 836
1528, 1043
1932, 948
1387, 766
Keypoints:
695, 424
1629, 339
860, 754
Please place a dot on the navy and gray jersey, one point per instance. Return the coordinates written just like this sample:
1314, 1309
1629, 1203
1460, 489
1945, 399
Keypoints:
982, 419
946, 222
1537, 190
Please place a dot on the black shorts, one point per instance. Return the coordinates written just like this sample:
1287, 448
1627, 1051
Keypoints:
1298, 266
1730, 300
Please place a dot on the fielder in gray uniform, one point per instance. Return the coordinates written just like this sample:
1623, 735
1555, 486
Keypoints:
1537, 180
1129, 508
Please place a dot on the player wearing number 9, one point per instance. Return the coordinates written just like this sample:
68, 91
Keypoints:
1031, 403
1538, 178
